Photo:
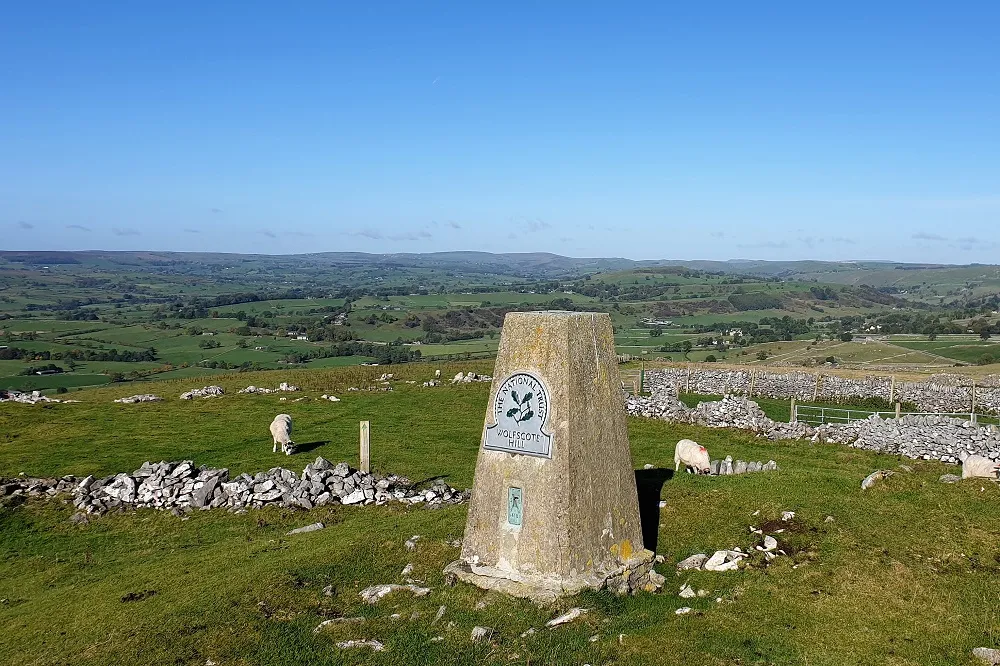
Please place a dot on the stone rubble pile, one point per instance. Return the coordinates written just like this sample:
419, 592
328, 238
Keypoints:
728, 467
142, 397
181, 485
29, 486
205, 392
469, 377
730, 412
282, 387
918, 437
941, 393
28, 398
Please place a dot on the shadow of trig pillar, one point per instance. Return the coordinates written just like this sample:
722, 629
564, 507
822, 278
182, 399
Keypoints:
554, 508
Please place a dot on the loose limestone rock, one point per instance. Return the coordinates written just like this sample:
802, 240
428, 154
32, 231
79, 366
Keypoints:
308, 528
693, 562
566, 617
987, 655
205, 392
481, 633
143, 397
376, 592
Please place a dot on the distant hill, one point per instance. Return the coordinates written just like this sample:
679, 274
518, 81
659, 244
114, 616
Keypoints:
526, 265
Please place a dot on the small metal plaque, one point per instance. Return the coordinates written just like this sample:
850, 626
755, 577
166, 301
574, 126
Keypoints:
515, 506
521, 412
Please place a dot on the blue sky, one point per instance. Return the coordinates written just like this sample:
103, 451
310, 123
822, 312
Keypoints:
784, 131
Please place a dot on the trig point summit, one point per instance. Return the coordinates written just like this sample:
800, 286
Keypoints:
554, 508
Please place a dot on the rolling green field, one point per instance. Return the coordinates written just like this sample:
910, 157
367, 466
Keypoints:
966, 349
902, 574
105, 311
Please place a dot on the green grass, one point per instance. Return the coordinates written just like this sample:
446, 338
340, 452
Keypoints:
906, 573
966, 350
42, 382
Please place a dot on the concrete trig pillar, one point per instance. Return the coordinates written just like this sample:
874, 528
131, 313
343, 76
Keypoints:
554, 508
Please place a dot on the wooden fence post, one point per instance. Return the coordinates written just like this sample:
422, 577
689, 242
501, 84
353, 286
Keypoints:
819, 379
897, 410
892, 390
366, 462
791, 414
753, 380
972, 417
687, 382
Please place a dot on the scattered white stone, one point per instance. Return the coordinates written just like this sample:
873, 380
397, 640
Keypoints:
987, 655
770, 543
529, 632
282, 387
687, 592
724, 560
480, 633
308, 528
376, 592
875, 476
682, 611
411, 543
338, 620
143, 397
663, 504
693, 562
787, 515
407, 570
439, 615
373, 644
568, 616
205, 392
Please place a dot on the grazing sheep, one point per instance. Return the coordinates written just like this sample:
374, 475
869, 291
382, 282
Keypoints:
281, 431
693, 455
979, 467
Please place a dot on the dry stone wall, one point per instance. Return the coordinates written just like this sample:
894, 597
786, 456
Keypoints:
941, 393
923, 437
181, 486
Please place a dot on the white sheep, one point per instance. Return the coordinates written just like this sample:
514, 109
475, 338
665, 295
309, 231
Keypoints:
979, 467
693, 455
281, 431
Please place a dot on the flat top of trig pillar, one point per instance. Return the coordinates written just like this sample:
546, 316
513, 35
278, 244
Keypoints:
555, 313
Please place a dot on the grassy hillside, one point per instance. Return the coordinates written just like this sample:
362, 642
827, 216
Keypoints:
902, 574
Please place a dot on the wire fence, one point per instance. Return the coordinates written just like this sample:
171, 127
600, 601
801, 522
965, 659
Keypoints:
814, 415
